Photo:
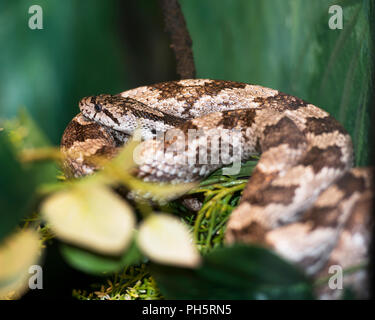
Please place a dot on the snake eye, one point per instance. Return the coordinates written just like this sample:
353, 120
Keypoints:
98, 107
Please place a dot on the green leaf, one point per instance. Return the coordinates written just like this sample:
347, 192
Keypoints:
96, 264
25, 135
12, 209
237, 272
245, 171
20, 181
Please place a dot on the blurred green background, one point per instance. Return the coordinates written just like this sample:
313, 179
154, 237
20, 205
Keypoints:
91, 46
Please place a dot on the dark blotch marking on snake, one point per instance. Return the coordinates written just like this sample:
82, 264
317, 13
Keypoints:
322, 216
191, 94
283, 132
238, 118
319, 158
81, 133
319, 126
351, 184
281, 102
274, 194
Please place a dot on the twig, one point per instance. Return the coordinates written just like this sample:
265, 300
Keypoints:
181, 42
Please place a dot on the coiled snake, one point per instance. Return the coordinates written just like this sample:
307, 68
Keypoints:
303, 199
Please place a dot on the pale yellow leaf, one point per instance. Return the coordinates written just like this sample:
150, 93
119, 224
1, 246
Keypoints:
164, 239
90, 216
18, 253
160, 192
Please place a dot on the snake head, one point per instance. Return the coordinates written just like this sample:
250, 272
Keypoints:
105, 109
126, 114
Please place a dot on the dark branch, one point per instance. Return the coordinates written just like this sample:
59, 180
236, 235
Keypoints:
181, 42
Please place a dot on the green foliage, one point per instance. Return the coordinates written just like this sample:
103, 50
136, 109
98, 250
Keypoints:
133, 283
238, 272
96, 264
221, 195
11, 211
20, 181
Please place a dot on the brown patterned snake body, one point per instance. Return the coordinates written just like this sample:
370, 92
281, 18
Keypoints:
303, 200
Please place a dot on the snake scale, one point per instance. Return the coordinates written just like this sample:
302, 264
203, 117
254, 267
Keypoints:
304, 200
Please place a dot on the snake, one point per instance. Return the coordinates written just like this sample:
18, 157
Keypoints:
304, 200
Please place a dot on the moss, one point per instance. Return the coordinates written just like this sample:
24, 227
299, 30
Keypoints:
133, 283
